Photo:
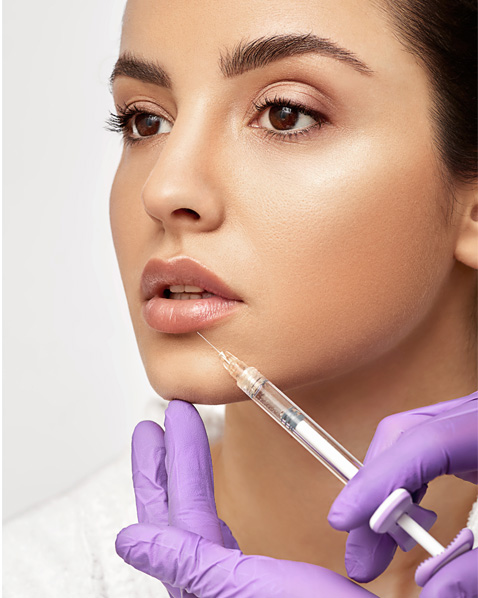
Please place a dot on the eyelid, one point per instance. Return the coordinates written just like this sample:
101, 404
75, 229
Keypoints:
296, 92
146, 107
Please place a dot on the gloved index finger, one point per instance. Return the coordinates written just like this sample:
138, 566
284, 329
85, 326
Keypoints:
190, 477
149, 473
392, 427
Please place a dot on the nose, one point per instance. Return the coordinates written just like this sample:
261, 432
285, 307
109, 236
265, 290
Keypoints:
183, 190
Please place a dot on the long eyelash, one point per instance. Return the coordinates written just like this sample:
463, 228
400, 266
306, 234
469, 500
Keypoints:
294, 134
117, 123
121, 122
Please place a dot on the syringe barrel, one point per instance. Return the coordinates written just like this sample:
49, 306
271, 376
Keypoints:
312, 437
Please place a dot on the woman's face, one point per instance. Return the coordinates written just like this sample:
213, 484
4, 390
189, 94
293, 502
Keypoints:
301, 172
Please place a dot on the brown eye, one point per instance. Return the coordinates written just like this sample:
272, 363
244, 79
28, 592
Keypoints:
283, 117
146, 125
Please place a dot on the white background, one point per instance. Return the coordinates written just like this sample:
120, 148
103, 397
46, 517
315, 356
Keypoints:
73, 382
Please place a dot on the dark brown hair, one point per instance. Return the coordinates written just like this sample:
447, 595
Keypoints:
441, 34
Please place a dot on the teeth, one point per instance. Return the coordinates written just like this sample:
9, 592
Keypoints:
185, 296
182, 288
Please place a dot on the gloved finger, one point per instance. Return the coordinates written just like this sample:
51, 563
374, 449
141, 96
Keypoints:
368, 554
457, 579
149, 473
426, 451
469, 472
187, 561
150, 478
392, 427
190, 477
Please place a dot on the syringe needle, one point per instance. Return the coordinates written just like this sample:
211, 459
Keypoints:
215, 349
233, 365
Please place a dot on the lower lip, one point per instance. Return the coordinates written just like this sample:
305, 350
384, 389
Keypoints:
174, 316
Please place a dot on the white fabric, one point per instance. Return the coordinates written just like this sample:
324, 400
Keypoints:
473, 523
65, 548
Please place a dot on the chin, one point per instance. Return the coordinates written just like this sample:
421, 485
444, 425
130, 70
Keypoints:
200, 394
202, 381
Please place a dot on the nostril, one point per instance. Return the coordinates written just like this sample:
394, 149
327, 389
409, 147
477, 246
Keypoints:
186, 212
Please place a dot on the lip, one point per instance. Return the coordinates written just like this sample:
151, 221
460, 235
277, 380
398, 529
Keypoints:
174, 316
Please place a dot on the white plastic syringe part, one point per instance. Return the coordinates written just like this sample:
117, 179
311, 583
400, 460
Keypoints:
420, 535
326, 449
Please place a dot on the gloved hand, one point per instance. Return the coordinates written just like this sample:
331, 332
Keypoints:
409, 450
179, 538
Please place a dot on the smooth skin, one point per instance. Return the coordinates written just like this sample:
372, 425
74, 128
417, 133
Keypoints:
357, 278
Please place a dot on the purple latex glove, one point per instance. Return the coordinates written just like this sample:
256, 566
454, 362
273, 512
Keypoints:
409, 450
179, 538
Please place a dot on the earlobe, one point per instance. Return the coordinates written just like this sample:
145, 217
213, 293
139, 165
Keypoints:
466, 249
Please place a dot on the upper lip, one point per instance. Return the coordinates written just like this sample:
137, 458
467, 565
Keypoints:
159, 275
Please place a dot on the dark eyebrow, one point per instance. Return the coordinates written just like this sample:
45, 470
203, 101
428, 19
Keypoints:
246, 56
129, 65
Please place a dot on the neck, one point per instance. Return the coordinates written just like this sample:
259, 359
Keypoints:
275, 496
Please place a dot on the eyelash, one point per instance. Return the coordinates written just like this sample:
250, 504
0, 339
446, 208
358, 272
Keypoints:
121, 122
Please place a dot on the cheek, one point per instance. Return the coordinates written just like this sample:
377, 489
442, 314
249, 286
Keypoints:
354, 253
130, 224
122, 202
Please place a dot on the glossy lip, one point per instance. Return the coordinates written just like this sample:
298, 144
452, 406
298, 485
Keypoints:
174, 316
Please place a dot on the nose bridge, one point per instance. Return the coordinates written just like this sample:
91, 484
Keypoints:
182, 190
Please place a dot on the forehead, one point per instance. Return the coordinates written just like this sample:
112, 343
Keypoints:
196, 33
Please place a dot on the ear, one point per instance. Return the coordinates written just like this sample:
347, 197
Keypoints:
466, 219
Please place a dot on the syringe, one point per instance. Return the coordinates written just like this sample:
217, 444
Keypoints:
396, 515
